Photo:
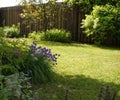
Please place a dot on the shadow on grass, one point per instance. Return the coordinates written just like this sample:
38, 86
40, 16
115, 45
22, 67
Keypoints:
107, 47
74, 44
80, 88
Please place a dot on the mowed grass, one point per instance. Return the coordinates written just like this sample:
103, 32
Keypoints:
82, 69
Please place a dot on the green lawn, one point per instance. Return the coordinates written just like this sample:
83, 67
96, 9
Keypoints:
82, 69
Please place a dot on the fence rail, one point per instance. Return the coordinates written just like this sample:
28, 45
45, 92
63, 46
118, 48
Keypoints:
68, 18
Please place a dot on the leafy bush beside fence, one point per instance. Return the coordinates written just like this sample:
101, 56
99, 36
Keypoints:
56, 35
35, 35
103, 23
35, 61
10, 32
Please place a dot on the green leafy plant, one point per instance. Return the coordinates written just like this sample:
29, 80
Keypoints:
15, 87
35, 61
12, 31
34, 35
87, 5
12, 51
8, 70
56, 35
103, 23
32, 14
38, 63
6, 53
1, 32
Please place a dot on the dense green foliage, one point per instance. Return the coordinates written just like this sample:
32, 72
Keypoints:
35, 36
87, 5
37, 64
12, 51
17, 57
15, 87
56, 35
8, 70
41, 12
12, 31
103, 23
1, 32
38, 68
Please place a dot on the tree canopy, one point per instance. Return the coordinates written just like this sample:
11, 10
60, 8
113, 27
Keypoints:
87, 5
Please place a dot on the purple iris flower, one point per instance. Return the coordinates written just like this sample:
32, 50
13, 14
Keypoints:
47, 54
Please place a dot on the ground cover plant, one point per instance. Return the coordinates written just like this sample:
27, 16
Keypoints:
15, 87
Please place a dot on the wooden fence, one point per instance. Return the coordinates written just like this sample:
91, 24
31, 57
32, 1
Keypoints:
68, 18
10, 15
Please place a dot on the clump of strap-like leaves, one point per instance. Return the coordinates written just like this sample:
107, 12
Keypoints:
38, 63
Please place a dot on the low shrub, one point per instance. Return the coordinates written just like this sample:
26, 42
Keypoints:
103, 23
5, 54
56, 35
35, 61
34, 35
12, 52
8, 70
12, 31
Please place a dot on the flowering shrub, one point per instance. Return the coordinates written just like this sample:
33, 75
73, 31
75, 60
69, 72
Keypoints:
38, 63
42, 51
